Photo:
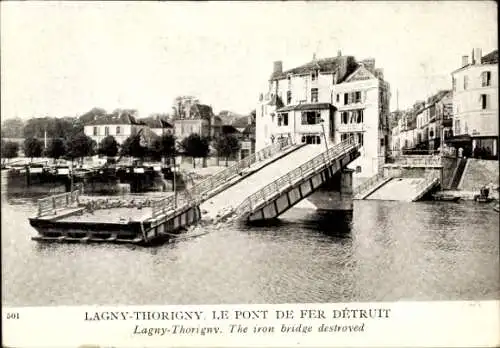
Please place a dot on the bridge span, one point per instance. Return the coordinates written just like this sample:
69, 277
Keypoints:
259, 187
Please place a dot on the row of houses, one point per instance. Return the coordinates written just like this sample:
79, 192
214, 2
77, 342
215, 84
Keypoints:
465, 117
328, 100
196, 118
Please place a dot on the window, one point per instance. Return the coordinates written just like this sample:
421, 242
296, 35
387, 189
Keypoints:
289, 97
314, 95
311, 139
486, 78
95, 131
466, 82
358, 169
283, 120
344, 117
359, 118
311, 117
382, 142
338, 98
431, 133
360, 138
457, 126
106, 130
484, 101
289, 78
118, 130
357, 97
346, 98
314, 76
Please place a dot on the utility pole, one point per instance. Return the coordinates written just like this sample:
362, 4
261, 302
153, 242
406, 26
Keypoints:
397, 99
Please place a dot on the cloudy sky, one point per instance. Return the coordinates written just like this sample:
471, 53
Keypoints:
63, 58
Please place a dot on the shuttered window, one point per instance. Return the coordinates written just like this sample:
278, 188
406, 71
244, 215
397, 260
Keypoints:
486, 78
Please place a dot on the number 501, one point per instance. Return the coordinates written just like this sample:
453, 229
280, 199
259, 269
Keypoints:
12, 315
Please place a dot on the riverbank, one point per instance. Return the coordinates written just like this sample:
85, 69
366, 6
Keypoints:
467, 195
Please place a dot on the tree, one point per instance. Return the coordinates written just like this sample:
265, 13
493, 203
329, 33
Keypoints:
80, 146
132, 147
195, 146
227, 145
12, 128
182, 104
9, 149
108, 147
32, 148
56, 149
163, 147
91, 115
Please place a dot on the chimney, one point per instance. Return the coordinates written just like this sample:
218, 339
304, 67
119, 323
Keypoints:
379, 73
476, 57
465, 60
339, 53
278, 67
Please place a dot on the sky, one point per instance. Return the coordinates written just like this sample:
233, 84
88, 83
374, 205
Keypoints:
64, 58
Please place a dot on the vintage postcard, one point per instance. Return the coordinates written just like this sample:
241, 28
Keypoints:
314, 174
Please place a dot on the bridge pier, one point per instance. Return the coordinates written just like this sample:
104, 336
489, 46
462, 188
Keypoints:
336, 194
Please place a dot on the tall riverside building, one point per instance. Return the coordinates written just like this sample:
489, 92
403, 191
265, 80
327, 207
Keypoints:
475, 103
338, 95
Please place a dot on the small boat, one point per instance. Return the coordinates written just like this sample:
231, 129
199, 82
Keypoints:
482, 199
446, 198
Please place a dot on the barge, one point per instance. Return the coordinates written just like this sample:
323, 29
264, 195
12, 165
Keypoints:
64, 218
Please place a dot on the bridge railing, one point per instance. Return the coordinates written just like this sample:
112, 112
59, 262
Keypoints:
50, 205
195, 194
299, 173
419, 161
427, 180
368, 184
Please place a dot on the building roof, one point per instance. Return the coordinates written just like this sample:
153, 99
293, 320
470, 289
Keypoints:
490, 58
322, 65
228, 129
304, 107
241, 122
250, 129
154, 122
115, 119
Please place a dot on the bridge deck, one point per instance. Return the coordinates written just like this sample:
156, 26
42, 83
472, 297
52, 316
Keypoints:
402, 189
233, 196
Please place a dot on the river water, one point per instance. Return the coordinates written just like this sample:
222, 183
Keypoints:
389, 251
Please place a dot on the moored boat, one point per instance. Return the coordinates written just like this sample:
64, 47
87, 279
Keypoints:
446, 198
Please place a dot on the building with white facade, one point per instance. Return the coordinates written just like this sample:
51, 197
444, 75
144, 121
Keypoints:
475, 103
328, 99
194, 118
120, 125
434, 121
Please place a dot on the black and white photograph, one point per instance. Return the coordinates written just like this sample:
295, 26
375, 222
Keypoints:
247, 153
